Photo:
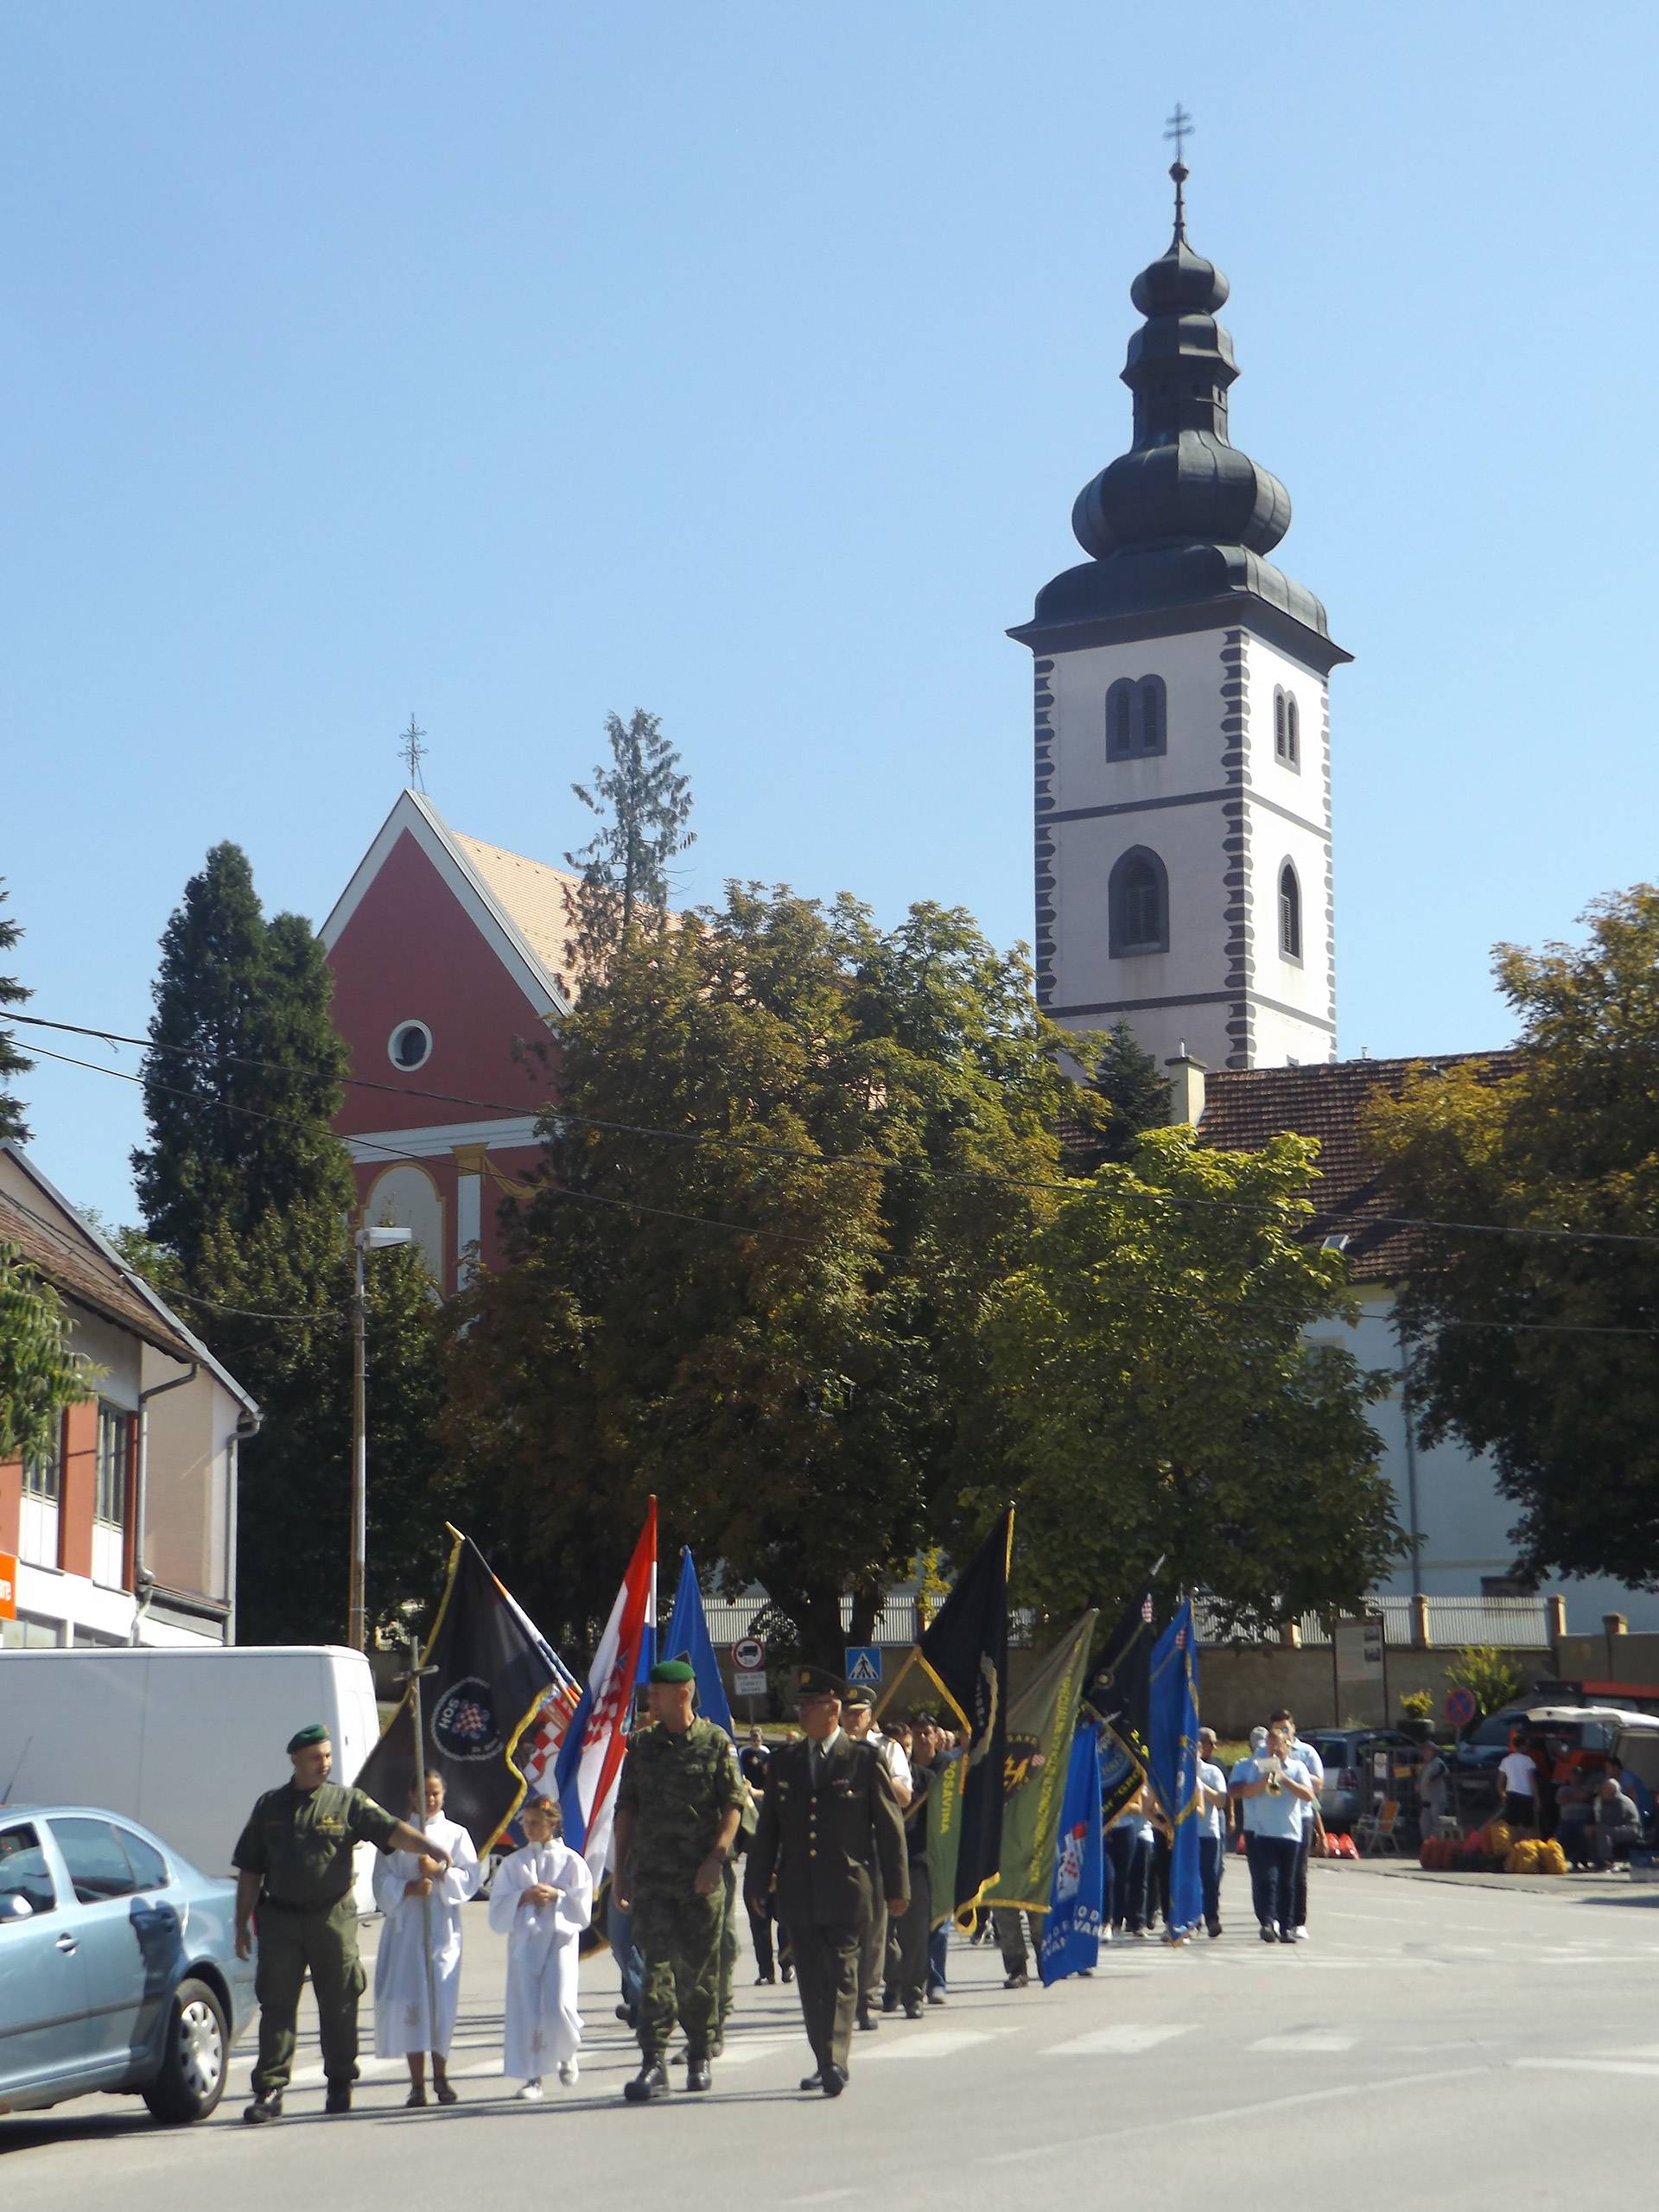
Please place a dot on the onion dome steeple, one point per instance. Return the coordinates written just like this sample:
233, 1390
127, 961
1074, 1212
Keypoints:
1183, 518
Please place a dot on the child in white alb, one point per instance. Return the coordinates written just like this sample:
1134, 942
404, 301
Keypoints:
542, 1899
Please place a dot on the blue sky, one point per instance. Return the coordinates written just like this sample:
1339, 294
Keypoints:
513, 363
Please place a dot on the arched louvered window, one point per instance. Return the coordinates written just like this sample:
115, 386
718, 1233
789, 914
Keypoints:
1287, 728
1137, 895
1290, 913
1137, 718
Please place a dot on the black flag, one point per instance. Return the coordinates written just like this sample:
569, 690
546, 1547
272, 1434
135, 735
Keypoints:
1119, 1692
965, 1650
491, 1671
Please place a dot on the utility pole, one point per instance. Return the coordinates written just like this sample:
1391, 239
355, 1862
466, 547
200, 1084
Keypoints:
357, 1625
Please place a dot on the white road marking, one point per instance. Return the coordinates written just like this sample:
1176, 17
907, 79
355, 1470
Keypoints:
1301, 2039
1124, 2039
824, 2197
1647, 2073
1386, 2086
944, 2042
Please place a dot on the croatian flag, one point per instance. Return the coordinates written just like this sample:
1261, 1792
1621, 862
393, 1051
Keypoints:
590, 1757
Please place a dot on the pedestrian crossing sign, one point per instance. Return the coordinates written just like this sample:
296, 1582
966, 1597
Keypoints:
864, 1666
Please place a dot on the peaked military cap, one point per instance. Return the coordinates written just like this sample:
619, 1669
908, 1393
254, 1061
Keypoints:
818, 1681
672, 1670
316, 1733
858, 1701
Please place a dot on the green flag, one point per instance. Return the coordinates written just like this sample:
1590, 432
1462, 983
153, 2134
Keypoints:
1040, 1724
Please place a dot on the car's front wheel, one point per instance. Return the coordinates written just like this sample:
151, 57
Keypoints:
194, 2059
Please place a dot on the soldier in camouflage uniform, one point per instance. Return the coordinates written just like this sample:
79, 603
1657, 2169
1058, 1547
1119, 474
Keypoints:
678, 1806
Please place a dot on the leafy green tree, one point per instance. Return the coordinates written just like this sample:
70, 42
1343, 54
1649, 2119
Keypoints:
780, 1348
39, 1373
249, 1201
242, 1080
643, 803
12, 1063
1160, 1395
1490, 1673
1540, 1349
1128, 1083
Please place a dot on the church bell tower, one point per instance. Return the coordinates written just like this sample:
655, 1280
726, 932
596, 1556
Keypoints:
1183, 771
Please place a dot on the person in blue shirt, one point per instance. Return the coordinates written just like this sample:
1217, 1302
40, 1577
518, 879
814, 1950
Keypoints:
1272, 1789
1212, 1828
1312, 1823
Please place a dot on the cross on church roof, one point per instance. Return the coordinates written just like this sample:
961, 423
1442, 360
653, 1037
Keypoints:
414, 752
1179, 128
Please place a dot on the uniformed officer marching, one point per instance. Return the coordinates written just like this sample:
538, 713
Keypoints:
830, 1829
678, 1806
294, 1866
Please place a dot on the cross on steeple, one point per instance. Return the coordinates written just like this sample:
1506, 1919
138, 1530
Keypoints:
414, 752
1179, 128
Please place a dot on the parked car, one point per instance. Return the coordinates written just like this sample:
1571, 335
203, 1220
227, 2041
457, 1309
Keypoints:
118, 1966
1595, 1729
1350, 1787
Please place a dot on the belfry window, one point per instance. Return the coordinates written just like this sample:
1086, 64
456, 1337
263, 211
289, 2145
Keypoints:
1137, 898
1290, 913
1286, 728
1137, 718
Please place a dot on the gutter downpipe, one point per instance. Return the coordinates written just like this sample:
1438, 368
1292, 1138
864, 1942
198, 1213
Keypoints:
1411, 1470
144, 1581
248, 1426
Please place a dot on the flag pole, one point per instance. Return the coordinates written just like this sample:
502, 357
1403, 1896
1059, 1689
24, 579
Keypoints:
413, 1678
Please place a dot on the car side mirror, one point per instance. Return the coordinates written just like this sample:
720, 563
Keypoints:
15, 1907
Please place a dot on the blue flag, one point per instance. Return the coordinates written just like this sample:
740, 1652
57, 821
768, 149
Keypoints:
687, 1637
1072, 1927
1173, 1759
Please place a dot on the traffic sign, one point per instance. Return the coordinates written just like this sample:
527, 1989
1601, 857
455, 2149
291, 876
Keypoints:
746, 1684
8, 1586
748, 1655
864, 1666
1461, 1706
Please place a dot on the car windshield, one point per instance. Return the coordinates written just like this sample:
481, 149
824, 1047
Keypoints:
1497, 1727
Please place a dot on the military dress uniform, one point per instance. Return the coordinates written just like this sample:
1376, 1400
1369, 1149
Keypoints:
830, 1829
679, 1787
300, 1843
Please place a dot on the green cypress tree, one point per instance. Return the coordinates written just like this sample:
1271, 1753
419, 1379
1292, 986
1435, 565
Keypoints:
12, 1063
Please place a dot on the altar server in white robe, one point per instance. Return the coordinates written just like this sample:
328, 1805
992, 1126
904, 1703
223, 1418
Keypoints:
542, 1899
421, 1902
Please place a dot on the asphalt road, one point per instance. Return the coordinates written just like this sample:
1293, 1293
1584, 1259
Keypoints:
1434, 2041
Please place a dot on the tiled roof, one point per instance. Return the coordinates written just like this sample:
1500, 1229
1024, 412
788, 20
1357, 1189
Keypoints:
78, 1271
531, 894
1245, 1107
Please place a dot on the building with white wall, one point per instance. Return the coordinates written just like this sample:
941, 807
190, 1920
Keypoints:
124, 1530
1182, 737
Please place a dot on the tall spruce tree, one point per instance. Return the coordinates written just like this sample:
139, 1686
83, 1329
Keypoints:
1127, 1082
249, 1201
12, 1063
643, 803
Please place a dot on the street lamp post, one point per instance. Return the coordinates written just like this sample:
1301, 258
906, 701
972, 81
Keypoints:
365, 1240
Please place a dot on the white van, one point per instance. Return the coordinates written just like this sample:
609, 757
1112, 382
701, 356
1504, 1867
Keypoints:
181, 1741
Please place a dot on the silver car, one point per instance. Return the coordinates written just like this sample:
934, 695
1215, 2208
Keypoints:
118, 1966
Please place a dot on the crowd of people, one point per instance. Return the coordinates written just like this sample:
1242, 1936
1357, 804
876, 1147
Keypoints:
822, 1837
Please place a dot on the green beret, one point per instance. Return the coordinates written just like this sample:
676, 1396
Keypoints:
818, 1681
673, 1670
316, 1733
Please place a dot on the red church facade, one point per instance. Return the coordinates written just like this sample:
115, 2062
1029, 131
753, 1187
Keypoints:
446, 955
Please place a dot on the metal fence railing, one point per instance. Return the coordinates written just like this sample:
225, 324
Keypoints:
898, 1622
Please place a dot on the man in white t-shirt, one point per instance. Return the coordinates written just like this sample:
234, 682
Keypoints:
1520, 1779
858, 1719
1311, 1822
1212, 1828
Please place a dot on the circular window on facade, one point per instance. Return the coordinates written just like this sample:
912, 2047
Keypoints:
409, 1045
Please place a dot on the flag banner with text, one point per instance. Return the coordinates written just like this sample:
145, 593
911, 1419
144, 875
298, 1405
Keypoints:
1116, 1694
687, 1637
1173, 1745
1041, 1719
1076, 1901
494, 1675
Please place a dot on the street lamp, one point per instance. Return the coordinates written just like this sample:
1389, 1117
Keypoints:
365, 1240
